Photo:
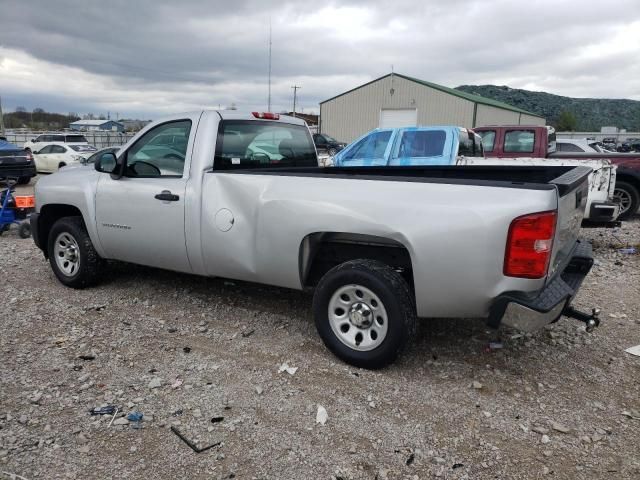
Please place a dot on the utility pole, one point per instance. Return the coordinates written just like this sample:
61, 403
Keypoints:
295, 97
269, 97
1, 119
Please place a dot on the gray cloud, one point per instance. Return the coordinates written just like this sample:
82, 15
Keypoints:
149, 57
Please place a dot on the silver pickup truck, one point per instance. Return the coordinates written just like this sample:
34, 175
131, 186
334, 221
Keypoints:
241, 196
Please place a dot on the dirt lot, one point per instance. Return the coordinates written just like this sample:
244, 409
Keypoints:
185, 350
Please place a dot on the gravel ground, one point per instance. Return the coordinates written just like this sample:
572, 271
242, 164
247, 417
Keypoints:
204, 356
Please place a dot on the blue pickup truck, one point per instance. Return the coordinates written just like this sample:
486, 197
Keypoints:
440, 145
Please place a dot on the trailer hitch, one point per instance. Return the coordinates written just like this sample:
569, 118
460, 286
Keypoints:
591, 320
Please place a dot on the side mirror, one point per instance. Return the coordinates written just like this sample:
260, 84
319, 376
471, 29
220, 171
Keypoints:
108, 163
33, 140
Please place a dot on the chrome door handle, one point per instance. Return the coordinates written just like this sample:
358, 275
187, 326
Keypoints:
167, 196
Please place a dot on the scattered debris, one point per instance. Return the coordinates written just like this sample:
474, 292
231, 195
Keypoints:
217, 419
192, 445
121, 421
634, 350
186, 349
457, 465
87, 356
634, 414
411, 459
628, 251
558, 427
177, 383
477, 385
155, 382
497, 345
286, 368
321, 416
545, 439
259, 390
108, 410
248, 333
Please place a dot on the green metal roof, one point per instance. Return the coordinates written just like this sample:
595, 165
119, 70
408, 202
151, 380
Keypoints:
451, 91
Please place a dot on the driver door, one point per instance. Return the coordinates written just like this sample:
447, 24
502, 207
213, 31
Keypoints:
140, 216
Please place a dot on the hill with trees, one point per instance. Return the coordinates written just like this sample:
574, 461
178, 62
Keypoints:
584, 114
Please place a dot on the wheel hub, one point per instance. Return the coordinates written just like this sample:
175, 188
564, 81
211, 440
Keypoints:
357, 317
360, 315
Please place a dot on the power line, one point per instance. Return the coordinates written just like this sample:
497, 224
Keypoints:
295, 97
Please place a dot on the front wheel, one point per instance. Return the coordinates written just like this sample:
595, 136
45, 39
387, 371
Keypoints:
72, 256
628, 197
364, 313
24, 230
332, 152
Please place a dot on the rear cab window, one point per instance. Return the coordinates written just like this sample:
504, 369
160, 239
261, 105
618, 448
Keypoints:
244, 144
519, 141
421, 147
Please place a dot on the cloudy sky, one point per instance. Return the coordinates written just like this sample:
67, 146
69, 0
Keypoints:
144, 58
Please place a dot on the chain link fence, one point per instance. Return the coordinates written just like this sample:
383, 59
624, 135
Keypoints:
99, 139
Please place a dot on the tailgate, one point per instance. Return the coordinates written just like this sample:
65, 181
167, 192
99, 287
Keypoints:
572, 188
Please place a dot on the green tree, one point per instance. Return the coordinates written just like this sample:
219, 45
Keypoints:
566, 122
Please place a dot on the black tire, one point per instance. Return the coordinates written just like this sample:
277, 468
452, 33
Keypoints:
631, 192
24, 180
90, 264
61, 164
24, 231
397, 300
332, 152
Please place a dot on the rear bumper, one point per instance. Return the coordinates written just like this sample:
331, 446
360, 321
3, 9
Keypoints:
529, 312
603, 214
12, 170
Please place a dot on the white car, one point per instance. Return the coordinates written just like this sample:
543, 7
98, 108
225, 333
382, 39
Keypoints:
36, 144
53, 156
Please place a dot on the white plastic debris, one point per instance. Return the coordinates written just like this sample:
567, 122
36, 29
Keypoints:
286, 368
634, 350
177, 383
321, 416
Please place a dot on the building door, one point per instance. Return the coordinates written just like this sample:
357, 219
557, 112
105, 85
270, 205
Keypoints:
402, 117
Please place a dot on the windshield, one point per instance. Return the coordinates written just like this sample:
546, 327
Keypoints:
329, 139
76, 139
256, 144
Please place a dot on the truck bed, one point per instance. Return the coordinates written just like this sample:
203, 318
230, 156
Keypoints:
565, 178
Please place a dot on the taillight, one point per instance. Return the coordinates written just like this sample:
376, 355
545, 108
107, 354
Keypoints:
267, 115
529, 245
29, 156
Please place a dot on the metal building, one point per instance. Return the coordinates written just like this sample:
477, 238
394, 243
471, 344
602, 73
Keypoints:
91, 125
397, 100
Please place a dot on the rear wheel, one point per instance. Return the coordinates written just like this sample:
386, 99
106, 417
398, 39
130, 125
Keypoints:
628, 197
61, 164
72, 256
364, 313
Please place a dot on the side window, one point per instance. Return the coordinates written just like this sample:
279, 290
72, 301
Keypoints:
488, 139
371, 147
57, 138
41, 138
160, 152
58, 149
427, 143
46, 149
519, 141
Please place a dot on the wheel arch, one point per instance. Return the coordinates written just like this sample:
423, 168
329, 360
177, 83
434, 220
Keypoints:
321, 251
50, 214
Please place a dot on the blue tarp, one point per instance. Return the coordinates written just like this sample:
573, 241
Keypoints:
4, 145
